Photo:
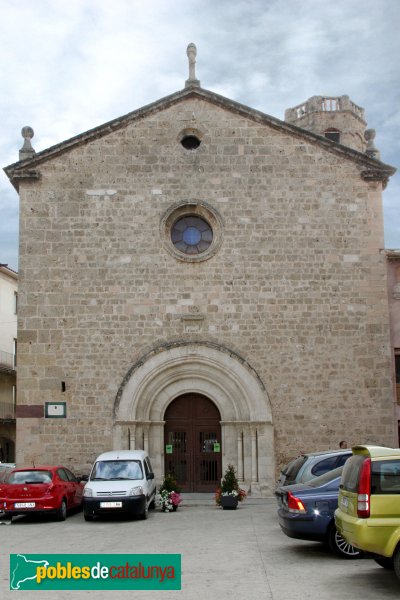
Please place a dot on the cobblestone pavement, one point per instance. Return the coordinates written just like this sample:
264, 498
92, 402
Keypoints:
225, 554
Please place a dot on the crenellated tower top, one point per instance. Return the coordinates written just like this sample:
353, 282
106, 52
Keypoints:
335, 117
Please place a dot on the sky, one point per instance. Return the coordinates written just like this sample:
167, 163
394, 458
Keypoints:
68, 66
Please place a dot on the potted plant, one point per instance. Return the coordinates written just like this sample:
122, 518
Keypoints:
169, 494
229, 494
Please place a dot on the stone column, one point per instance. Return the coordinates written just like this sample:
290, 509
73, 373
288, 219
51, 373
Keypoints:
254, 469
156, 447
240, 452
117, 436
132, 436
146, 427
161, 465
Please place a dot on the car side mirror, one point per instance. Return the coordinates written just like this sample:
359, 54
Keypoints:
84, 478
150, 476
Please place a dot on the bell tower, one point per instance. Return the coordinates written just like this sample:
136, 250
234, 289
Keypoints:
335, 117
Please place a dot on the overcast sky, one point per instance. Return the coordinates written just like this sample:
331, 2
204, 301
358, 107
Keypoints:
69, 65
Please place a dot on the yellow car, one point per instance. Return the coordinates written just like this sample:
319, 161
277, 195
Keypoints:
368, 513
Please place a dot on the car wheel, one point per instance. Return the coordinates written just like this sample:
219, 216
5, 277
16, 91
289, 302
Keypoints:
396, 562
386, 563
87, 517
62, 511
340, 547
145, 513
153, 502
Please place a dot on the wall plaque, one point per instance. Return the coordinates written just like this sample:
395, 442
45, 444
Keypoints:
55, 410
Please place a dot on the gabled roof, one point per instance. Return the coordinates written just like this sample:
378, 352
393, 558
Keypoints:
27, 169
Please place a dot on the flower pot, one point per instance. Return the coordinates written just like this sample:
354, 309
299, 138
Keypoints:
174, 507
229, 502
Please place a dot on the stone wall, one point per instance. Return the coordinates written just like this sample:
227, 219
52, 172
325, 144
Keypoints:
297, 287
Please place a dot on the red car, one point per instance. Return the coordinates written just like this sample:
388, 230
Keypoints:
52, 490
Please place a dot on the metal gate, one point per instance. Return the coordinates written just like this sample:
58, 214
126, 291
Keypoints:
193, 443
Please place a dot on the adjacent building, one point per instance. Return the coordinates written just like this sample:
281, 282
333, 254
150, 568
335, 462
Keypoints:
8, 346
207, 282
393, 261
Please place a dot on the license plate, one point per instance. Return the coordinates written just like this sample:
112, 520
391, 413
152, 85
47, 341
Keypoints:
344, 502
110, 504
24, 505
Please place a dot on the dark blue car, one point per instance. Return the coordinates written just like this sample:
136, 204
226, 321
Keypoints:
306, 512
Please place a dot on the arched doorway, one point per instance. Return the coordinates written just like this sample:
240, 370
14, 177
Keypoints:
192, 437
223, 378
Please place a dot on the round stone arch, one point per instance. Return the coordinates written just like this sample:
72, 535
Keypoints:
217, 373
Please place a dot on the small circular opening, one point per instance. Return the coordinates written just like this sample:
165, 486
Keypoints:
190, 142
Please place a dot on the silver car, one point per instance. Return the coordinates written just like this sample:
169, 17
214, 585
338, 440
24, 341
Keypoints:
307, 466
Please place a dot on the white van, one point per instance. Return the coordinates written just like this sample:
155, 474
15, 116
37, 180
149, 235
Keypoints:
121, 481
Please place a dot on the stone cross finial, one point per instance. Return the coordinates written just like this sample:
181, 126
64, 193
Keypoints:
27, 151
371, 150
191, 52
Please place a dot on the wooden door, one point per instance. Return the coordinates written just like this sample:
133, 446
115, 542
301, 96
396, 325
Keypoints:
193, 443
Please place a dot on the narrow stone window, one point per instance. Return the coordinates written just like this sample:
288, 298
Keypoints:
333, 134
397, 368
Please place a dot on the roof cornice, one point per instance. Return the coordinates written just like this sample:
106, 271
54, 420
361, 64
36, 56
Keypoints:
27, 169
6, 270
392, 254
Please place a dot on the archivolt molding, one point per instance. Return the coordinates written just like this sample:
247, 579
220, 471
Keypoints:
209, 369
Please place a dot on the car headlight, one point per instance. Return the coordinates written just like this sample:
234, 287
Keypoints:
136, 491
87, 492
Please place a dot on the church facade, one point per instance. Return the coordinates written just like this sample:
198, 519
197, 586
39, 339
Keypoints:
206, 282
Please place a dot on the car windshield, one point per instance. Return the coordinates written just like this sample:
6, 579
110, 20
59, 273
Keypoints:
30, 477
117, 469
325, 478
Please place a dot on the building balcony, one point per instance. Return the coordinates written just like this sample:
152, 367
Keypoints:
7, 411
8, 363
